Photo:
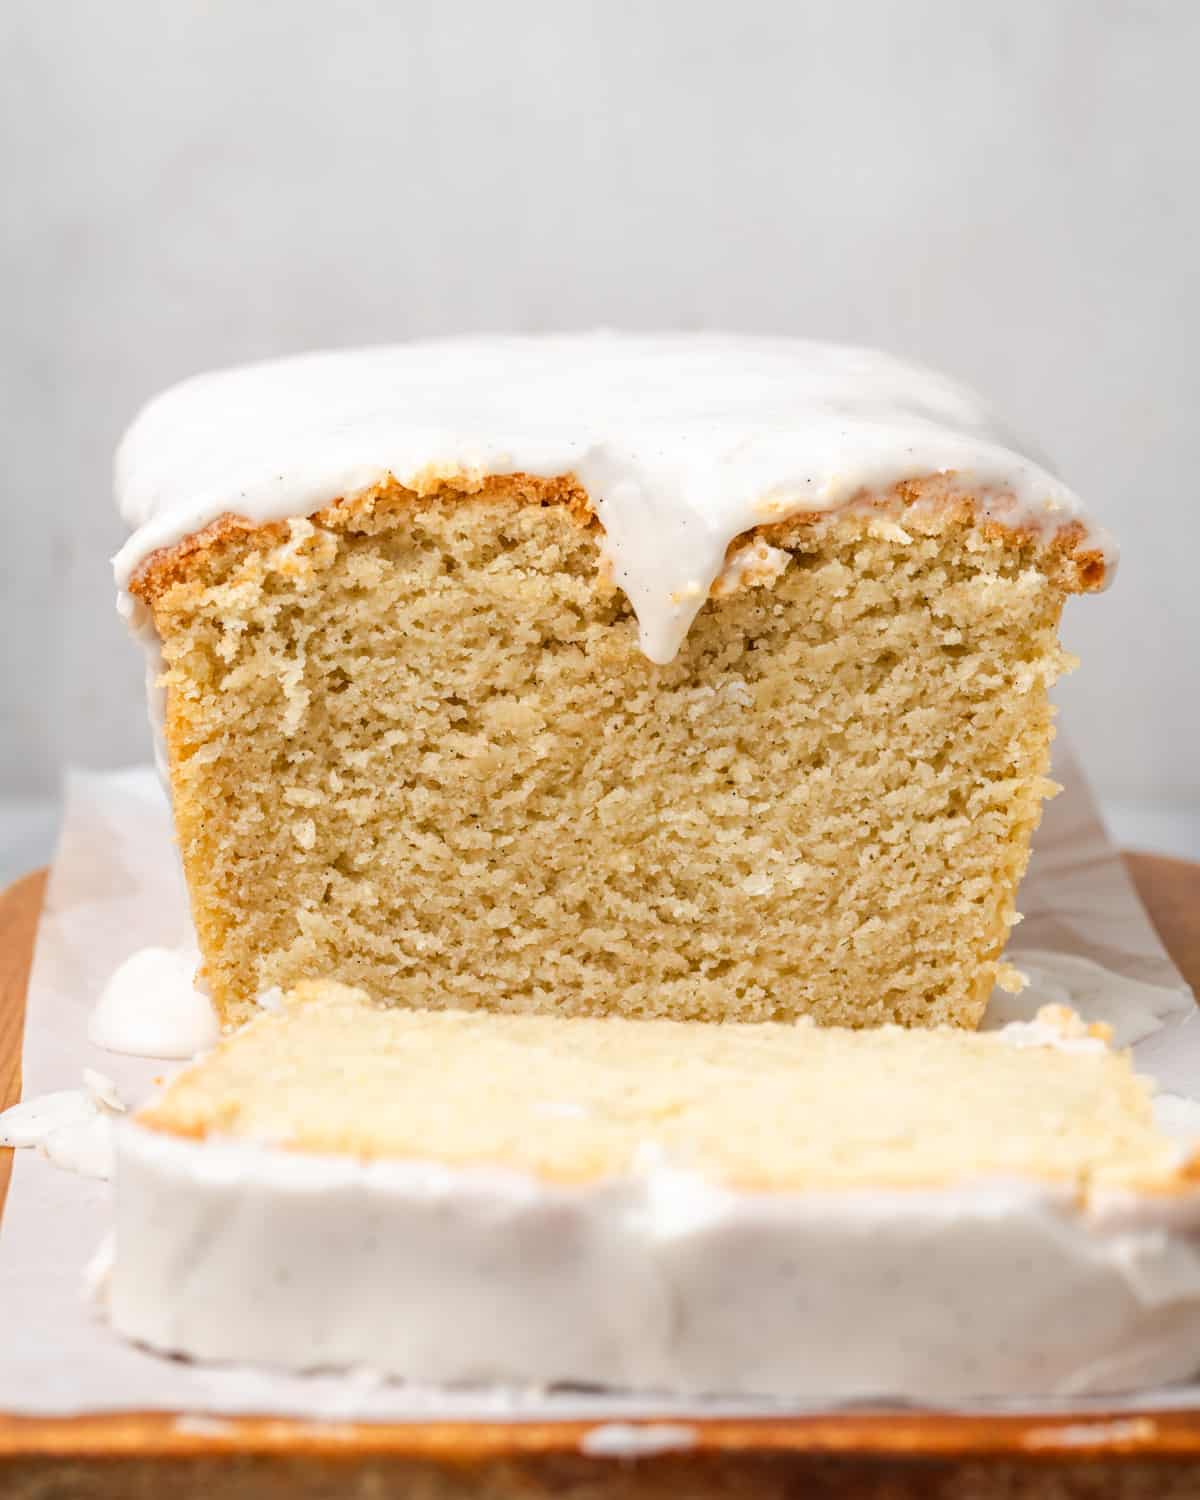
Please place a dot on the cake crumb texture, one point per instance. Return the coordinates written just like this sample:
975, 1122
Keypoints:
759, 1106
414, 745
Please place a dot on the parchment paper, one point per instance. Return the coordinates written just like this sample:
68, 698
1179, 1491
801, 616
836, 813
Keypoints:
116, 887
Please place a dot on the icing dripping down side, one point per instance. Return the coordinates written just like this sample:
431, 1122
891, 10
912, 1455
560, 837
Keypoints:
150, 1007
682, 442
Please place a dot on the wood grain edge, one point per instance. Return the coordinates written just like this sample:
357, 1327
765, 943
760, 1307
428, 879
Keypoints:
20, 907
357, 1471
884, 1434
1169, 889
886, 1454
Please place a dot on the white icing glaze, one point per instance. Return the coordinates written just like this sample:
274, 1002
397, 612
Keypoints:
31, 1121
1101, 1434
84, 1147
1132, 1008
756, 564
71, 1127
197, 1424
1038, 1034
636, 1439
150, 1007
102, 1091
655, 1280
1056, 1026
683, 442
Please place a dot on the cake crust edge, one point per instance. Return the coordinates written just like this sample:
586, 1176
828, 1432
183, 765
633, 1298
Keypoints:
1068, 555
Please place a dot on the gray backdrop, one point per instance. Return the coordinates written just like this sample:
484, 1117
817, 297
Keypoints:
1009, 191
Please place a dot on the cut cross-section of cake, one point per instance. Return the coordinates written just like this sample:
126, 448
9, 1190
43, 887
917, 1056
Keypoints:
789, 1209
693, 677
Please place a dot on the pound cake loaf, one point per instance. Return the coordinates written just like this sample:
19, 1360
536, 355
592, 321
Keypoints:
769, 1209
693, 677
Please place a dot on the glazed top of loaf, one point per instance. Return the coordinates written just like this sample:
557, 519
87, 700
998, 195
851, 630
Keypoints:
683, 442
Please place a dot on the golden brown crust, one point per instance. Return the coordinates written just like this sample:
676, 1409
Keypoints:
170, 565
1181, 1184
1063, 554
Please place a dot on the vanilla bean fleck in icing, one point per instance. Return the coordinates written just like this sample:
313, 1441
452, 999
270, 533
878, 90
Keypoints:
657, 1279
71, 1127
682, 442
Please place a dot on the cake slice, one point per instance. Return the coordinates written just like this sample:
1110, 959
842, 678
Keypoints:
770, 1209
691, 677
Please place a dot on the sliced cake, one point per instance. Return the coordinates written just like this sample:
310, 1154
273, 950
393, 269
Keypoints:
775, 1209
691, 677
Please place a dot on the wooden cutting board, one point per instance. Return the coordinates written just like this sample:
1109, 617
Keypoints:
884, 1456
